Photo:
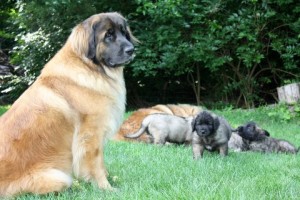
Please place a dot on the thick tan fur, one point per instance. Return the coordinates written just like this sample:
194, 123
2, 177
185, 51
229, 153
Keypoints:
133, 123
58, 126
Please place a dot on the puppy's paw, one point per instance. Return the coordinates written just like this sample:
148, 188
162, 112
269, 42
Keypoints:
197, 157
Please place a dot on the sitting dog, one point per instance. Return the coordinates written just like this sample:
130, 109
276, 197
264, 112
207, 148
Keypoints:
166, 128
250, 137
58, 126
210, 132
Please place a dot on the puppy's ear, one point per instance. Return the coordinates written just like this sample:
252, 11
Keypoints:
193, 124
196, 119
267, 133
216, 123
240, 129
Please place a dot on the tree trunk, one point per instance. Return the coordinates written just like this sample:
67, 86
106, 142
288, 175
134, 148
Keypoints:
289, 93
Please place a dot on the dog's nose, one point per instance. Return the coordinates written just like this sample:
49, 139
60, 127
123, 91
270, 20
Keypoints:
129, 50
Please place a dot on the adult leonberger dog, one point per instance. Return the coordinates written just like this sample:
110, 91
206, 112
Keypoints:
133, 123
59, 124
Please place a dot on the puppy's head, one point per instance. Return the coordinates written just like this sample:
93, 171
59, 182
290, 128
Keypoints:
250, 131
105, 39
205, 124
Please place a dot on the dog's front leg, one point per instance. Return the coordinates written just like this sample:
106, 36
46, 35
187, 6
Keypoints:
100, 171
197, 151
88, 156
224, 149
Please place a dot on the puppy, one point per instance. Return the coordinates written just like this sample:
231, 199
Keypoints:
210, 132
257, 139
166, 128
133, 122
250, 131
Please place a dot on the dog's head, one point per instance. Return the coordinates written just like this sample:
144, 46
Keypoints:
105, 39
205, 124
250, 131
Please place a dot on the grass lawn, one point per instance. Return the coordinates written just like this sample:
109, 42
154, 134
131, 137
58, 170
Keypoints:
3, 109
141, 171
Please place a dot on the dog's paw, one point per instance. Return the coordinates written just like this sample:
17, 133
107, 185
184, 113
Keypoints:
105, 185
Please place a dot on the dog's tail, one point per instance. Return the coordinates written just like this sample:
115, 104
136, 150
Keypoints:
138, 133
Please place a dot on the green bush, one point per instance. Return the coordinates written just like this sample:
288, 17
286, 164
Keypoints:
236, 52
285, 112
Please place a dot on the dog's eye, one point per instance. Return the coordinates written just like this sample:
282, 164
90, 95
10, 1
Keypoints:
125, 32
251, 128
127, 36
109, 33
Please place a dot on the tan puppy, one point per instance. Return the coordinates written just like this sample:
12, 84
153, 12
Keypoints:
59, 125
166, 128
132, 124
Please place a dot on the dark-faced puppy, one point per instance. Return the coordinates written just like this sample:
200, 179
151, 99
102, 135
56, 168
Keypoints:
257, 139
252, 132
243, 135
210, 132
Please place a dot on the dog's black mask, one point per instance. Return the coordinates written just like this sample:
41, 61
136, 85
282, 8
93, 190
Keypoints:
252, 132
110, 41
204, 124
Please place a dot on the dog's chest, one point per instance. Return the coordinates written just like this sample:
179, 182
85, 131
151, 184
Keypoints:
116, 115
116, 108
207, 140
110, 101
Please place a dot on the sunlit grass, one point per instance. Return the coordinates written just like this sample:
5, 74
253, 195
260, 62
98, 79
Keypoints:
141, 171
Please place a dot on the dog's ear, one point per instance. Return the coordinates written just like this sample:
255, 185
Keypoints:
240, 129
91, 53
267, 133
216, 123
130, 36
83, 40
195, 119
193, 124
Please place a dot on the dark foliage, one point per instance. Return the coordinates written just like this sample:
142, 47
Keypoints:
201, 52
